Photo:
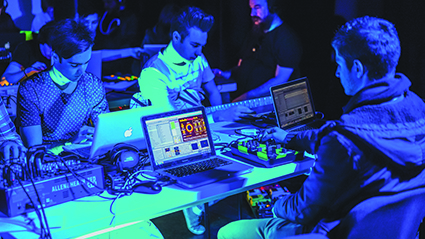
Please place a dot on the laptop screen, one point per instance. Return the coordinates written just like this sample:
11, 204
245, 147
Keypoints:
293, 103
177, 137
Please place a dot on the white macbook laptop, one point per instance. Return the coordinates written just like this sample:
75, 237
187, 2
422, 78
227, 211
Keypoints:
113, 128
180, 146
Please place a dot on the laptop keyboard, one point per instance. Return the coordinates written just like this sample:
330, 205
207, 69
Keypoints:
302, 128
313, 125
84, 151
197, 167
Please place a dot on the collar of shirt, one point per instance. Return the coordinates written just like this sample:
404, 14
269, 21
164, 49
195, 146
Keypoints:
276, 22
58, 77
62, 80
174, 59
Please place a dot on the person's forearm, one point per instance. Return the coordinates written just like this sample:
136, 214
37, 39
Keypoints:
15, 77
264, 89
31, 135
213, 94
303, 141
215, 98
282, 75
110, 55
115, 54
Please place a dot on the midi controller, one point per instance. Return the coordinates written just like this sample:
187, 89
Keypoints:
265, 154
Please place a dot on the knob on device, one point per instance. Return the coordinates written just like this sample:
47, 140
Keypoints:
267, 154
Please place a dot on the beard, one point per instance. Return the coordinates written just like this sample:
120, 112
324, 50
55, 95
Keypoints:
263, 24
256, 20
259, 26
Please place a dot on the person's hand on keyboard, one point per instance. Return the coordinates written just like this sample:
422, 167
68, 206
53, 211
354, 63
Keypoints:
233, 113
10, 149
84, 135
225, 74
275, 133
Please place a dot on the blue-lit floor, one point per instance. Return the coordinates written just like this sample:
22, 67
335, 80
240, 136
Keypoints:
173, 226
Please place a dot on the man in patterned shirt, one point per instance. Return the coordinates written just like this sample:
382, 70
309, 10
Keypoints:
56, 106
10, 142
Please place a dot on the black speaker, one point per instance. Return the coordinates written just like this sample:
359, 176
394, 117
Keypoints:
125, 156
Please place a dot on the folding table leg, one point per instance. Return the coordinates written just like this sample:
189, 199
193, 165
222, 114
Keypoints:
206, 221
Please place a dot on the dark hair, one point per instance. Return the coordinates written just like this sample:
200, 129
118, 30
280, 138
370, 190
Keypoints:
44, 34
167, 16
191, 17
69, 37
372, 41
46, 4
282, 8
3, 5
271, 5
89, 7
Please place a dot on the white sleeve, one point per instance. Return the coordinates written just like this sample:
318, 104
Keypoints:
153, 86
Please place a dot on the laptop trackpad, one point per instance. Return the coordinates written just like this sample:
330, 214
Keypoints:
214, 175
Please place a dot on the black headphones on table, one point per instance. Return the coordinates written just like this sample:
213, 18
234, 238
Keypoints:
125, 156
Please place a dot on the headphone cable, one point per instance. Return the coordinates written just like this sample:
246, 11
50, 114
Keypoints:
109, 30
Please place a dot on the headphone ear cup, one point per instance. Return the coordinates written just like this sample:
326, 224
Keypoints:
125, 156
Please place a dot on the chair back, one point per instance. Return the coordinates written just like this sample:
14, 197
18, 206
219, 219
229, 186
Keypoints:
391, 216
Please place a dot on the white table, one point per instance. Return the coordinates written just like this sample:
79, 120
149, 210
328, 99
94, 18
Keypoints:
91, 214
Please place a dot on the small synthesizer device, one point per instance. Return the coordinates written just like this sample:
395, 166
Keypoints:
265, 154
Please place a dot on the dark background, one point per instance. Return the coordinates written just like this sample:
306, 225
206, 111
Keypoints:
314, 21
